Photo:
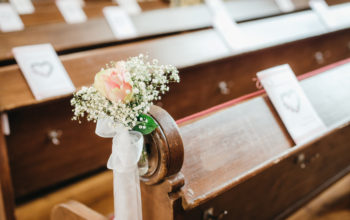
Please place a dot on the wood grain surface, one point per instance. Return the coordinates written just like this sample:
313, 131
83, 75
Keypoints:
220, 170
7, 203
329, 205
243, 130
96, 31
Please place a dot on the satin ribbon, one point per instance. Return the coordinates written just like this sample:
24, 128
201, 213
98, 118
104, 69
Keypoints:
126, 152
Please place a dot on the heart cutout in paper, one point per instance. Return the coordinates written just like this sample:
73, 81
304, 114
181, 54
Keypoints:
291, 100
44, 68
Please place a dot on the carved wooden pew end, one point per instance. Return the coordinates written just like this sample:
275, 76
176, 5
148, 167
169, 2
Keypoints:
164, 147
165, 154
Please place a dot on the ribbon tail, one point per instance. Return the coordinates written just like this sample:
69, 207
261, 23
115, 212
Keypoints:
127, 195
126, 151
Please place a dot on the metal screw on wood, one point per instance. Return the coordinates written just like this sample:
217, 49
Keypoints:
319, 57
224, 88
209, 214
301, 161
54, 136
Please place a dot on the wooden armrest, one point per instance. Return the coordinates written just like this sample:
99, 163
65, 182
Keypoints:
74, 210
164, 147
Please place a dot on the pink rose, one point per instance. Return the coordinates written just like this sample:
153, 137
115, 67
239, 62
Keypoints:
111, 83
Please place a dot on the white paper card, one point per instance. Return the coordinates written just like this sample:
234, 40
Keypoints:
23, 6
43, 71
226, 26
285, 5
130, 6
9, 19
321, 8
291, 103
120, 22
71, 11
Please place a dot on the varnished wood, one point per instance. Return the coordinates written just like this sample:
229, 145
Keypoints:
205, 97
64, 119
14, 91
75, 211
96, 31
332, 204
87, 191
155, 23
174, 200
2, 206
247, 130
202, 47
167, 142
46, 12
331, 111
6, 191
220, 170
30, 148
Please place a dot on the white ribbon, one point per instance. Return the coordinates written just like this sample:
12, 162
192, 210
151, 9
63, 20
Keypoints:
126, 152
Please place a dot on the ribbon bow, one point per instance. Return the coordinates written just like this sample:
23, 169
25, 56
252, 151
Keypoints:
126, 147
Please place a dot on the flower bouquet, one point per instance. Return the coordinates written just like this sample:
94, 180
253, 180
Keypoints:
119, 102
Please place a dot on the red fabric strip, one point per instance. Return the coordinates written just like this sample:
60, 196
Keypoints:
257, 93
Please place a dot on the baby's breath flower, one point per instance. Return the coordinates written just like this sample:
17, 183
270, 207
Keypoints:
148, 81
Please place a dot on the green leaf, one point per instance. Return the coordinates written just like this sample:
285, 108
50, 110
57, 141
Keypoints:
146, 124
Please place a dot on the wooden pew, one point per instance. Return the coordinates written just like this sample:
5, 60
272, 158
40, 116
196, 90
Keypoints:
158, 22
16, 98
96, 31
237, 168
102, 152
196, 52
46, 12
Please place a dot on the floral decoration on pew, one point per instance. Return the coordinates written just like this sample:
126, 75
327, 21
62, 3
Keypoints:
124, 92
119, 102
